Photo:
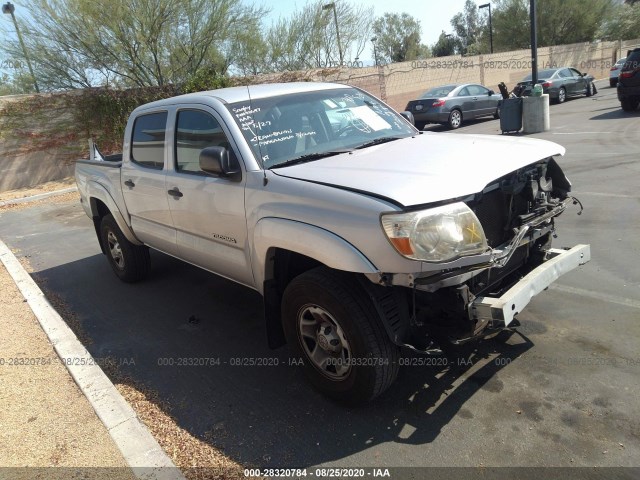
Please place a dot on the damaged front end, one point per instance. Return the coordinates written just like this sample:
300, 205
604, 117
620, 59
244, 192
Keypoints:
473, 295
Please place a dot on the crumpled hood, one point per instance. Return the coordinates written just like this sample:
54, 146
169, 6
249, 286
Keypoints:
426, 168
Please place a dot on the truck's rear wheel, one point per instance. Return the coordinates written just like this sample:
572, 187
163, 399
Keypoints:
332, 325
130, 262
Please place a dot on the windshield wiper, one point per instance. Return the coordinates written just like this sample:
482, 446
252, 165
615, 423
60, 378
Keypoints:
378, 141
309, 157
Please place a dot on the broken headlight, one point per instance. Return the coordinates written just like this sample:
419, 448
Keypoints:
436, 235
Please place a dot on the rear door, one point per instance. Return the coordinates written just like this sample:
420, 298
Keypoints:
565, 79
208, 212
143, 181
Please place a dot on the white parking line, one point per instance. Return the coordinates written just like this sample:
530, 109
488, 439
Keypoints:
580, 133
605, 297
610, 195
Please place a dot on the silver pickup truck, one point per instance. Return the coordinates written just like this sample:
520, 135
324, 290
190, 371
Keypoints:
363, 235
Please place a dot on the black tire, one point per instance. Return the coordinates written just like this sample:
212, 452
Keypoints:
497, 114
630, 104
327, 315
562, 95
613, 82
420, 125
131, 263
591, 90
455, 119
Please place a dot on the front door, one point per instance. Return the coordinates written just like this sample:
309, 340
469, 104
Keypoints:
208, 212
579, 81
484, 103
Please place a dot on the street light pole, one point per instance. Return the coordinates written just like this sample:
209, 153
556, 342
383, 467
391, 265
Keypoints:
490, 27
9, 8
335, 18
534, 42
375, 54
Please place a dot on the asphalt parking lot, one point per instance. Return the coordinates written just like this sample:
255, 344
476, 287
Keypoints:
562, 392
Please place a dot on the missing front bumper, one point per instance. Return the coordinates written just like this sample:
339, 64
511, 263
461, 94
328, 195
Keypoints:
504, 308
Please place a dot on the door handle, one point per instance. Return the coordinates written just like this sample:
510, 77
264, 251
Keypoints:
174, 192
129, 184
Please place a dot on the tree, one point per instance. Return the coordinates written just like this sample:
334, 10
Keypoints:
308, 37
510, 22
623, 23
468, 26
398, 38
83, 43
562, 22
445, 46
559, 22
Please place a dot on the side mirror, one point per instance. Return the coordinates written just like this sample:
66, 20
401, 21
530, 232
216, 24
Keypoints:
217, 161
408, 116
491, 92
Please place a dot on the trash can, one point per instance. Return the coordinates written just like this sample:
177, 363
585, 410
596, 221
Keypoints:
510, 115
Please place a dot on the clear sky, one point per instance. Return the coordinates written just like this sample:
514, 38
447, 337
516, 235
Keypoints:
434, 15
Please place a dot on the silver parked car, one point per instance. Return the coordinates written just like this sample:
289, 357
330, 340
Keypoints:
452, 104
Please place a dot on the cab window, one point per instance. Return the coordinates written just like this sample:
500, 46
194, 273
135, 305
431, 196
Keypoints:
147, 140
196, 130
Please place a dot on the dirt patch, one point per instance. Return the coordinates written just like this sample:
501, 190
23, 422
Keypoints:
65, 197
45, 420
44, 188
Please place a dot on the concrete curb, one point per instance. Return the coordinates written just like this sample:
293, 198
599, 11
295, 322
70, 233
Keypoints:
140, 450
40, 196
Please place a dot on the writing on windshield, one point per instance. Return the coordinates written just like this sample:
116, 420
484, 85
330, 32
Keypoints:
287, 127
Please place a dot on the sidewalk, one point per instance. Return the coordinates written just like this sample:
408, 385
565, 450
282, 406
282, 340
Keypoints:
45, 420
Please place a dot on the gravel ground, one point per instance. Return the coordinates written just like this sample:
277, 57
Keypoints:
44, 188
45, 421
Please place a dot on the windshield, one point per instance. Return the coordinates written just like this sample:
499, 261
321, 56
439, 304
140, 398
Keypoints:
542, 74
442, 91
305, 126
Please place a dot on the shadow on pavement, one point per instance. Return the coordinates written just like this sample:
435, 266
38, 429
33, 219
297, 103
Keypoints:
263, 416
617, 113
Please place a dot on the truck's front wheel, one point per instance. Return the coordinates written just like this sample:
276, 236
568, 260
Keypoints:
331, 324
130, 262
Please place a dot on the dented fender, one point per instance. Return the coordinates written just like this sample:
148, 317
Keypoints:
305, 239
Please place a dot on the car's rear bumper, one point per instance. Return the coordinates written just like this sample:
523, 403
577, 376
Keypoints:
502, 310
431, 117
627, 91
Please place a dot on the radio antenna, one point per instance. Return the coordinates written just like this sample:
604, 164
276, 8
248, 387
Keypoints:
265, 180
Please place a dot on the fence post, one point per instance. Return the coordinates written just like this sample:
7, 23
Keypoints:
382, 83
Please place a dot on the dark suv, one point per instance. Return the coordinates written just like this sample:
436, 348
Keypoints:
629, 82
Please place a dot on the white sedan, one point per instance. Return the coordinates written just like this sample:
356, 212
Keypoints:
615, 71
